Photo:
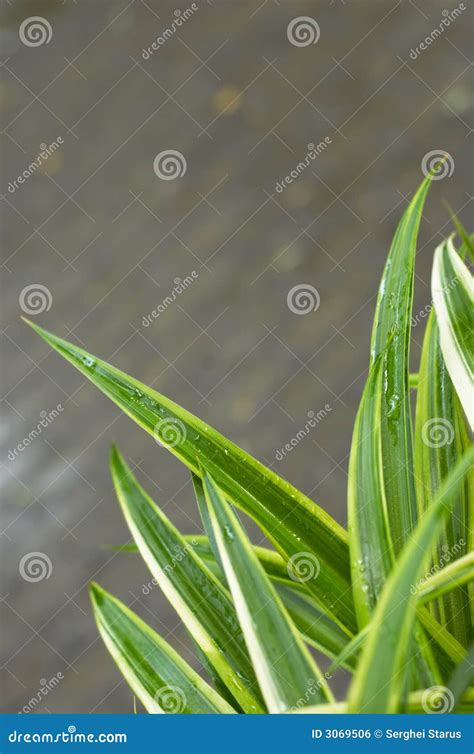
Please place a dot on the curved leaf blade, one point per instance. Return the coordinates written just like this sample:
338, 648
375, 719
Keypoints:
449, 578
391, 338
284, 668
152, 668
379, 680
292, 521
202, 603
452, 288
440, 438
370, 546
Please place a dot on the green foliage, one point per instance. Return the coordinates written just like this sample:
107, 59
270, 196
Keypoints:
388, 600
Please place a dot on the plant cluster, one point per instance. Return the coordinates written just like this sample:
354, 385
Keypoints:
387, 599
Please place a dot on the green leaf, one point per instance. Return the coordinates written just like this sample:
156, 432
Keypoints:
152, 668
292, 522
467, 239
285, 670
452, 289
449, 578
202, 603
440, 439
371, 548
379, 681
317, 628
391, 337
416, 703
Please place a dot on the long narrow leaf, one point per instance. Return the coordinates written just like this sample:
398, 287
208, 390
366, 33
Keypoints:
283, 665
370, 542
449, 578
452, 288
440, 438
317, 628
202, 603
293, 522
153, 669
380, 678
391, 338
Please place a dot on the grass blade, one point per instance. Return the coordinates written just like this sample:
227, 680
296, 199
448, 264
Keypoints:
448, 579
380, 677
202, 603
152, 668
284, 667
292, 521
370, 543
416, 704
440, 438
391, 337
452, 288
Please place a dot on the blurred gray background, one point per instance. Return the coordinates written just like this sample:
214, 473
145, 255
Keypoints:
107, 238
